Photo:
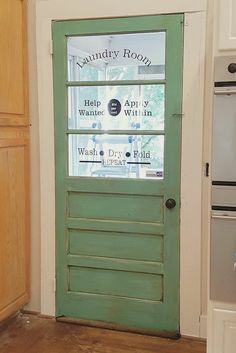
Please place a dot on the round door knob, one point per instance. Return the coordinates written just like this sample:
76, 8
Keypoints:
232, 68
170, 203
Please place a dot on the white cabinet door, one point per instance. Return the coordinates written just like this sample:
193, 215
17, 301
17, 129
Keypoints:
222, 339
230, 336
227, 25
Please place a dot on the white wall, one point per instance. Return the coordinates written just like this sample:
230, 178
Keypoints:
35, 273
193, 231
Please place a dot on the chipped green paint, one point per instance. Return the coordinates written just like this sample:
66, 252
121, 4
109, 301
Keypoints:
117, 245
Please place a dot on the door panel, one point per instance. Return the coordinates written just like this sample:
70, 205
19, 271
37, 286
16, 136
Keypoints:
116, 244
108, 282
116, 207
13, 244
117, 94
12, 95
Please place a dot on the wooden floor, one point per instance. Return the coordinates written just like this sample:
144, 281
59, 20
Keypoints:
31, 334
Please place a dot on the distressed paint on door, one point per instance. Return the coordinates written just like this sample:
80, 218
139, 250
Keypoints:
117, 245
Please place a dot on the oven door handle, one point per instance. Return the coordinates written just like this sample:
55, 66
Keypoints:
223, 217
225, 91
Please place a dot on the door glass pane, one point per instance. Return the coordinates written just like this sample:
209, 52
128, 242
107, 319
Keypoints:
135, 56
116, 107
122, 156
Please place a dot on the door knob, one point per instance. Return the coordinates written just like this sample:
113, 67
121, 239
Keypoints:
232, 68
170, 203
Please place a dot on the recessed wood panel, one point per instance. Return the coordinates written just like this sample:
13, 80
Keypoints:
118, 283
13, 226
7, 133
116, 207
142, 247
12, 57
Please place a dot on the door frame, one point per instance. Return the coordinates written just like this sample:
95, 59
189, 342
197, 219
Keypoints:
191, 169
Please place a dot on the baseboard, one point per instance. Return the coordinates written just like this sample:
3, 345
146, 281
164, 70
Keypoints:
194, 338
43, 316
37, 313
14, 307
30, 312
203, 326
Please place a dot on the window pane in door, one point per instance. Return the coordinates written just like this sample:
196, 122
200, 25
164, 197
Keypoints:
120, 156
134, 56
130, 107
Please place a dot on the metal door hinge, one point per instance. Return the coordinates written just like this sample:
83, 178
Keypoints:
178, 115
54, 284
207, 167
186, 22
51, 47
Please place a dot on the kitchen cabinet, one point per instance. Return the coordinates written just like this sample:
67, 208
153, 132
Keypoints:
227, 25
14, 159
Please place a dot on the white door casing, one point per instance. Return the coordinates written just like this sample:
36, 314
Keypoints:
191, 180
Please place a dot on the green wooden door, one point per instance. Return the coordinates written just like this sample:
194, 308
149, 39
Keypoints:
117, 102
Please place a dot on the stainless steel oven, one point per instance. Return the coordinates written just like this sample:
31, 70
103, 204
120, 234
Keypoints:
223, 219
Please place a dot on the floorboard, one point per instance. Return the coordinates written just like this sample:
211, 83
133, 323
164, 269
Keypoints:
32, 334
